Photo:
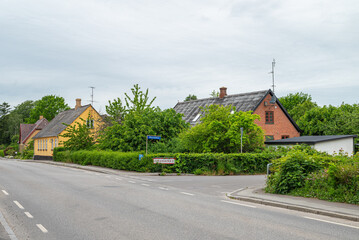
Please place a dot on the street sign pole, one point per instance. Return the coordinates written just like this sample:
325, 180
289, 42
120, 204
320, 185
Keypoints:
146, 143
241, 138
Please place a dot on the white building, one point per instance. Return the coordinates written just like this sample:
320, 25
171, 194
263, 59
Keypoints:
331, 144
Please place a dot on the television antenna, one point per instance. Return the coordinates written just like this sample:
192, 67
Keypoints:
92, 88
272, 72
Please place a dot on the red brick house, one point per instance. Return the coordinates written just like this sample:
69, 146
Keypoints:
275, 120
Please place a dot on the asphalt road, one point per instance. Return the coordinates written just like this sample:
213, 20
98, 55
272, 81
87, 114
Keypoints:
41, 201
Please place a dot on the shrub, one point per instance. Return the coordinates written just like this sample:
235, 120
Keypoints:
305, 172
205, 163
2, 153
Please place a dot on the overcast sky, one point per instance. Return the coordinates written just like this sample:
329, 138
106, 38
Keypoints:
178, 47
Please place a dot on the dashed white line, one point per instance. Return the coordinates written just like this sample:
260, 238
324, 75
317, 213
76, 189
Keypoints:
28, 215
42, 228
144, 184
6, 193
240, 204
186, 193
19, 205
131, 182
162, 188
341, 224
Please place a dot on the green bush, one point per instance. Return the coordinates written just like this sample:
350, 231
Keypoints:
206, 163
2, 153
305, 172
27, 154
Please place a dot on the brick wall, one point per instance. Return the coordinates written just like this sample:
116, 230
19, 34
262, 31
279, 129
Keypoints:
281, 126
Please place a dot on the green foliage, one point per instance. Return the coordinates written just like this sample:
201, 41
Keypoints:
131, 134
140, 100
291, 101
116, 110
5, 136
190, 97
208, 163
219, 131
2, 153
28, 152
79, 136
306, 172
214, 94
49, 106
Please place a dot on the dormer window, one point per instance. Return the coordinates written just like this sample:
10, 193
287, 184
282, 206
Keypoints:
196, 118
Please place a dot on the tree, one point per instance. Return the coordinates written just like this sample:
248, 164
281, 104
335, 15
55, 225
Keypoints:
290, 101
49, 106
219, 131
116, 110
5, 137
190, 97
78, 136
140, 100
214, 94
130, 134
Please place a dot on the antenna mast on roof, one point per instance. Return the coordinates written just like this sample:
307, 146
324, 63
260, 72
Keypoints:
272, 72
92, 88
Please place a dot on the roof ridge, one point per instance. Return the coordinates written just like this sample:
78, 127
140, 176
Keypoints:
231, 95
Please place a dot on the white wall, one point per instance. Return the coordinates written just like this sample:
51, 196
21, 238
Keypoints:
334, 146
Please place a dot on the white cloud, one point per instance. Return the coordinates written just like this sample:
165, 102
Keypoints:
175, 48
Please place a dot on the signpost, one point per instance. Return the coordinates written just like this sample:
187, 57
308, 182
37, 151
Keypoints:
164, 160
151, 138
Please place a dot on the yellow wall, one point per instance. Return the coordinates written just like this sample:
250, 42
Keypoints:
43, 151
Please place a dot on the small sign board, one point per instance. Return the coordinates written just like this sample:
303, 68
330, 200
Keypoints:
164, 160
140, 156
154, 137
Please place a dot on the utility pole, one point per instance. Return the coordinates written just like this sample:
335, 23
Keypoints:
272, 72
92, 88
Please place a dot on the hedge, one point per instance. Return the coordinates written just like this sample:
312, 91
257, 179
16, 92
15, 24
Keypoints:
205, 163
2, 153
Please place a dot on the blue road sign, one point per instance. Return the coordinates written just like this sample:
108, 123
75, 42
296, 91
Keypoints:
154, 137
140, 156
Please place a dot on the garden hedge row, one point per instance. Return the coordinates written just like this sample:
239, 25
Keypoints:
198, 163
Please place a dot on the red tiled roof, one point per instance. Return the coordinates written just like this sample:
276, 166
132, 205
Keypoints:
27, 129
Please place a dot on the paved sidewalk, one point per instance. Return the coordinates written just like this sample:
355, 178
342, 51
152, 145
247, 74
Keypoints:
310, 205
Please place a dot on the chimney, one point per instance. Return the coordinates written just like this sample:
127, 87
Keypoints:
78, 103
222, 92
41, 117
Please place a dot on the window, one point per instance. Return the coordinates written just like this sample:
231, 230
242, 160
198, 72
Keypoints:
38, 145
196, 118
56, 142
46, 145
90, 123
269, 117
269, 137
285, 136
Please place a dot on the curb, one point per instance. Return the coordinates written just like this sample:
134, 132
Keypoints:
294, 207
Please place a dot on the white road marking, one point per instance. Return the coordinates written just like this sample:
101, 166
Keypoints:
131, 182
119, 179
19, 205
6, 193
7, 228
42, 228
341, 224
240, 204
162, 188
28, 215
144, 184
186, 193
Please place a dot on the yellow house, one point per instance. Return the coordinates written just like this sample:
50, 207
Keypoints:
28, 131
50, 136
